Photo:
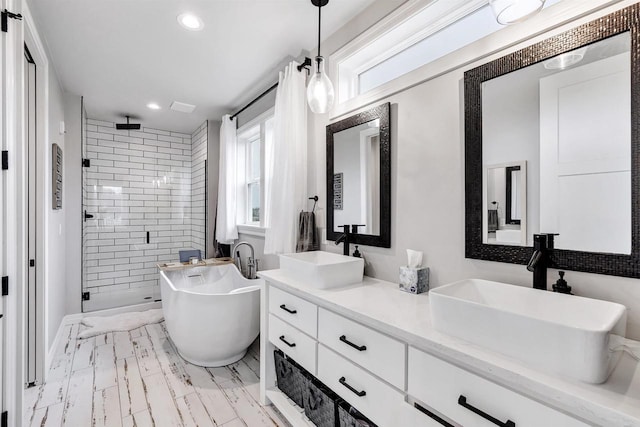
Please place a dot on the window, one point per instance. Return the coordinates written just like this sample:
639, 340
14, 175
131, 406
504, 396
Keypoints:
252, 140
414, 35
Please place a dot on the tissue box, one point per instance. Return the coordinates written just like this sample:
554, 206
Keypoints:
414, 280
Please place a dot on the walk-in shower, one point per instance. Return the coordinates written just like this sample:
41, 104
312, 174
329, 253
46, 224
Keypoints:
143, 200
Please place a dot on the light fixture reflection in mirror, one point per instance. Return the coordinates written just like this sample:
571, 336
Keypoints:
568, 117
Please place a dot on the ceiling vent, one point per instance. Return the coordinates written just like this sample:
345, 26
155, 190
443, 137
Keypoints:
182, 107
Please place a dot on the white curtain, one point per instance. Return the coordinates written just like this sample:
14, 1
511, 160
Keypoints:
286, 168
226, 230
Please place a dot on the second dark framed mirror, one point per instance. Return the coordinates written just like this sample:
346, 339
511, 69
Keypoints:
568, 110
359, 176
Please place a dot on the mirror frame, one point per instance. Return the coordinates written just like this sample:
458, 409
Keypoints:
382, 113
623, 20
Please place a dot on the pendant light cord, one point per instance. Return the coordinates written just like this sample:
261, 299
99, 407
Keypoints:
319, 28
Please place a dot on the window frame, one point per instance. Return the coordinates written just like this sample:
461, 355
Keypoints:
247, 134
548, 21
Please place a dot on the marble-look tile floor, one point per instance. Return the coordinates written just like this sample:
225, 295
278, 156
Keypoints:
137, 378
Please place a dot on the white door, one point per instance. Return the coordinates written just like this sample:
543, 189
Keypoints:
585, 156
30, 132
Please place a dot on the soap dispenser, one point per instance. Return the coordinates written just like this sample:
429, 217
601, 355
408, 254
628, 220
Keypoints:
561, 285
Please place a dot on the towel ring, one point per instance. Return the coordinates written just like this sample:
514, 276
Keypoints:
315, 201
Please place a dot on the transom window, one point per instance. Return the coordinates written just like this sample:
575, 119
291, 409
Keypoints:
412, 36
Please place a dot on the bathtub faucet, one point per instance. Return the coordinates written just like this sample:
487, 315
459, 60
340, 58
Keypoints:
252, 263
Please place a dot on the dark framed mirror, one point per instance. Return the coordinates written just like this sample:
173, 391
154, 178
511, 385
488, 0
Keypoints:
359, 176
569, 109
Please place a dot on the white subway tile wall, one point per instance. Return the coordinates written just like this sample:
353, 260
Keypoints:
139, 182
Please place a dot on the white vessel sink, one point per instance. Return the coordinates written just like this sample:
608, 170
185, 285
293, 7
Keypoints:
324, 270
565, 334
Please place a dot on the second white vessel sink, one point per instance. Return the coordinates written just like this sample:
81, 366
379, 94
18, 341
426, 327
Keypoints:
324, 270
565, 334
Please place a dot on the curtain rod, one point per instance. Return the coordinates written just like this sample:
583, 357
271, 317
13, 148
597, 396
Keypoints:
304, 66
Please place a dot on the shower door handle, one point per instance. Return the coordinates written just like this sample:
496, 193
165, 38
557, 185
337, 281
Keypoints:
87, 216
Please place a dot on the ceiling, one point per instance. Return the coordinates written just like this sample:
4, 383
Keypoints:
122, 54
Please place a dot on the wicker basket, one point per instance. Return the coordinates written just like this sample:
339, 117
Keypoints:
291, 378
321, 404
348, 416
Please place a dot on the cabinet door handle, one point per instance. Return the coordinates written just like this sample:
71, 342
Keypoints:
431, 415
462, 401
287, 342
357, 347
284, 307
361, 393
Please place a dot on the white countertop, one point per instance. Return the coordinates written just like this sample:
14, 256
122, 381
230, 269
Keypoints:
381, 305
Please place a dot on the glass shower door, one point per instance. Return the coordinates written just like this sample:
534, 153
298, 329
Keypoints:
119, 261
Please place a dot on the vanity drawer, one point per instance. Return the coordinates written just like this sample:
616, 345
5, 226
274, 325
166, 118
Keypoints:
378, 353
294, 310
293, 343
455, 393
375, 399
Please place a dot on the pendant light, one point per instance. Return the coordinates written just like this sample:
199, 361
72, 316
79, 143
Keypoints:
320, 93
513, 11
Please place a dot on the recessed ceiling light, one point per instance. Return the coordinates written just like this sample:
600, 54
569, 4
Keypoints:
190, 21
153, 106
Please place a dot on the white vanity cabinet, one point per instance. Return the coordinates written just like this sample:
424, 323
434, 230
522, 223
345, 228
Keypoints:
381, 355
296, 311
470, 400
381, 368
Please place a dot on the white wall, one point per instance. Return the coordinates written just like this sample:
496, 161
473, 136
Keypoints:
55, 273
427, 146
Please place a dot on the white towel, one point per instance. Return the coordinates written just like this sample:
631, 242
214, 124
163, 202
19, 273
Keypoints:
124, 322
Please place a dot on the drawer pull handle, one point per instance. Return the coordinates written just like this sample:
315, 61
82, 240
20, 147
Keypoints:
284, 307
462, 401
343, 381
431, 415
357, 347
290, 344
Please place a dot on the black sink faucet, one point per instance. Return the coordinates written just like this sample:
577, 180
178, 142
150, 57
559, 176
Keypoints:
542, 244
345, 239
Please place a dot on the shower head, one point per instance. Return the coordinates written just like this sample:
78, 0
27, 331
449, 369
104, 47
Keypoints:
128, 126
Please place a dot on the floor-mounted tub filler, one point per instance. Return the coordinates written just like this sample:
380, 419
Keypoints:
212, 313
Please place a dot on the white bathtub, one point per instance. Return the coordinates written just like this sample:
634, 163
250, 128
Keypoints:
212, 313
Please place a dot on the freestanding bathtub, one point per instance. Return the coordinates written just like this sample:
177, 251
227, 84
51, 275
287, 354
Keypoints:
212, 313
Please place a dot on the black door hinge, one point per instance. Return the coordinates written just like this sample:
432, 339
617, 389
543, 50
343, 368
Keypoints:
5, 286
5, 160
86, 163
5, 18
4, 419
86, 296
32, 263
